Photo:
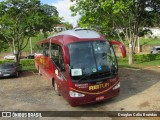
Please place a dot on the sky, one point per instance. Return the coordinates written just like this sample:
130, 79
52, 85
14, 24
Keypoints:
63, 9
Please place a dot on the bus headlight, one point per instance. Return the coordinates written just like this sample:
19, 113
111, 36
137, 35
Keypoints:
117, 86
75, 94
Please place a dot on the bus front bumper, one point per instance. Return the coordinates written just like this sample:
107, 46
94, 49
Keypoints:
93, 98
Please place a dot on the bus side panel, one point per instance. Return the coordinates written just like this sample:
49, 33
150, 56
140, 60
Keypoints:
62, 83
49, 69
38, 61
65, 84
44, 66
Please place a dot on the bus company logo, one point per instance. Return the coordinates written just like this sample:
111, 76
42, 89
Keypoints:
95, 87
6, 114
42, 61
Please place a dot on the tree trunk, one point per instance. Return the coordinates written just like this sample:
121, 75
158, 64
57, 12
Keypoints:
30, 42
17, 60
139, 49
130, 54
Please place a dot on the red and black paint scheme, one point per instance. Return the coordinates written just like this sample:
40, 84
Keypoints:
81, 64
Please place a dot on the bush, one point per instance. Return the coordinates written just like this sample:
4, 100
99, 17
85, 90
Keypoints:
4, 61
25, 62
142, 58
120, 59
146, 57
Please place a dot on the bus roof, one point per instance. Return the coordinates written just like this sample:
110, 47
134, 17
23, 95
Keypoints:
79, 33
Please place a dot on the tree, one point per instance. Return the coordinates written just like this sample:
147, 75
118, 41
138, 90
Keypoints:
113, 17
21, 19
67, 25
3, 44
50, 10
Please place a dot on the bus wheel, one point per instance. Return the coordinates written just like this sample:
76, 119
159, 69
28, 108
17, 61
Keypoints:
56, 88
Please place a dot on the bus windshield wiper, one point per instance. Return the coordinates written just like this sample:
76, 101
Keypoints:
84, 76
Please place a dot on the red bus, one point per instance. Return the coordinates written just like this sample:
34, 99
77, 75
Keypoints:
81, 65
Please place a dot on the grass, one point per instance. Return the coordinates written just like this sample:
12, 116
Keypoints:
149, 41
29, 68
33, 42
138, 65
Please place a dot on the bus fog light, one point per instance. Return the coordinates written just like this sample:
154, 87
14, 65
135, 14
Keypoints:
117, 86
75, 94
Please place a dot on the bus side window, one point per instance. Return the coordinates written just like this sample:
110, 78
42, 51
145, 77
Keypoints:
57, 56
61, 62
54, 53
46, 49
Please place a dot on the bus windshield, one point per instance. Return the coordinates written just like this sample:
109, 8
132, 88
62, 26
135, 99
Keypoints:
92, 61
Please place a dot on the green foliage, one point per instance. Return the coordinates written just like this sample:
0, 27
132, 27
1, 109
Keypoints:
118, 18
67, 25
139, 64
110, 15
22, 19
27, 62
24, 62
50, 10
147, 57
4, 61
142, 58
3, 46
149, 41
29, 68
34, 40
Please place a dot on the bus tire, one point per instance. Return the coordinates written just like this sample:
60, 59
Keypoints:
55, 87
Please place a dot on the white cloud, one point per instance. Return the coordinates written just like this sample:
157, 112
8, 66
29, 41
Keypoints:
64, 11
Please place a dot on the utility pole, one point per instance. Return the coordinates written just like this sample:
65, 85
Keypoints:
30, 41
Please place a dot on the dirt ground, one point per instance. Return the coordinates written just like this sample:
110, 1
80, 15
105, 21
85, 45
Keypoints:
140, 91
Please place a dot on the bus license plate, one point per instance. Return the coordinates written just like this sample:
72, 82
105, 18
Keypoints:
99, 98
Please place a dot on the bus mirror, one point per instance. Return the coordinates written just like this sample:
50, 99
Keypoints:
66, 54
121, 46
